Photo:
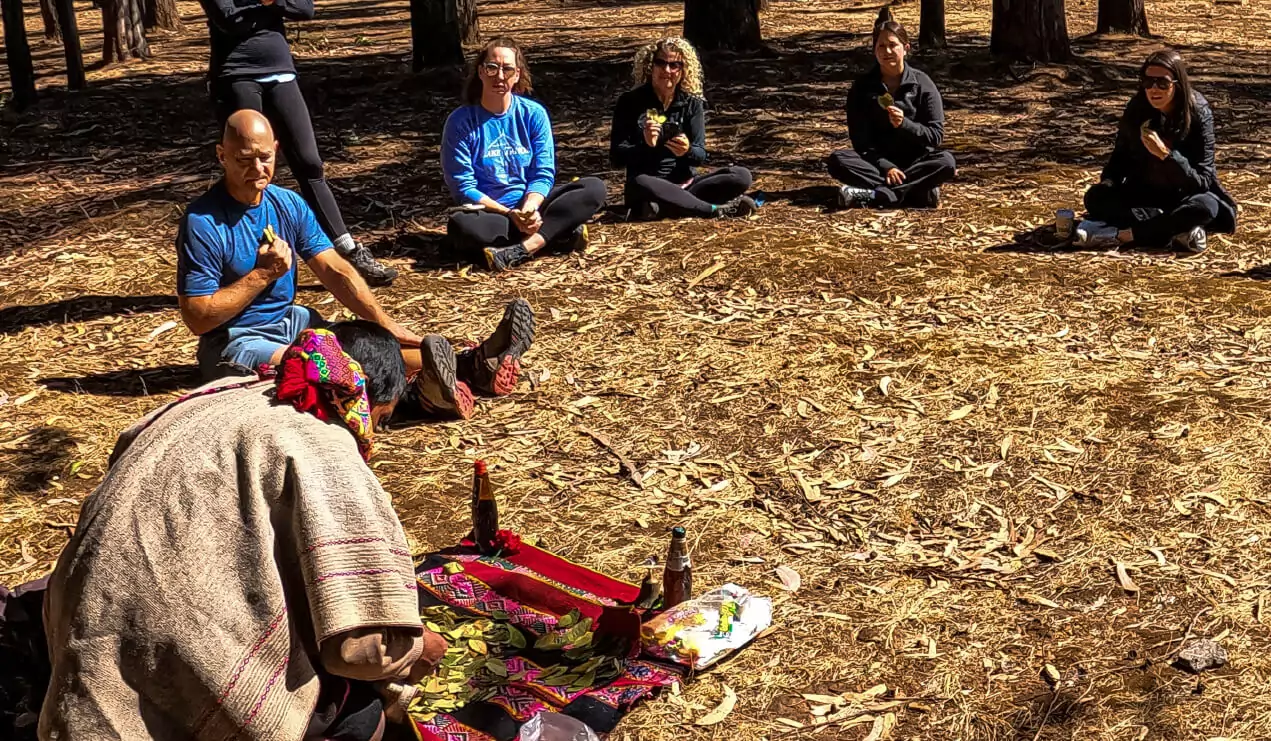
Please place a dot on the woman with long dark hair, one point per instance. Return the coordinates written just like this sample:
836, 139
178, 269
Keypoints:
499, 159
251, 67
659, 136
896, 120
1161, 185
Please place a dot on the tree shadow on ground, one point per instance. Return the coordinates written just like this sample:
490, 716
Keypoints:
14, 319
132, 382
43, 453
1259, 273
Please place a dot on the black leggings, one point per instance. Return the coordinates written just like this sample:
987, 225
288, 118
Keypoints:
1153, 219
566, 208
698, 199
922, 176
284, 105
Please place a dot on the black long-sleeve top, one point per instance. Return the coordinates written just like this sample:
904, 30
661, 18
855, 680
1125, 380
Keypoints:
1189, 169
248, 38
628, 149
875, 139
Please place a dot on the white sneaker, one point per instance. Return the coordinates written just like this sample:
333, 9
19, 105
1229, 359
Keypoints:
1096, 235
1195, 241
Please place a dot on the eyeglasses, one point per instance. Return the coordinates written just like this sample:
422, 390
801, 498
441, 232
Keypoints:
1158, 82
492, 69
668, 64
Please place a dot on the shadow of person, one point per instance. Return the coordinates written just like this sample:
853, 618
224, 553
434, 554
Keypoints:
133, 382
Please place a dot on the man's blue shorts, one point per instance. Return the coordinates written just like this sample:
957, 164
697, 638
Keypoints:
242, 350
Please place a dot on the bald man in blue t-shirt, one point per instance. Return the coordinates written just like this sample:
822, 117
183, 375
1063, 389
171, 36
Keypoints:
236, 279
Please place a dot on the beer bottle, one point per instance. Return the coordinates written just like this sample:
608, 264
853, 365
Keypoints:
677, 577
485, 511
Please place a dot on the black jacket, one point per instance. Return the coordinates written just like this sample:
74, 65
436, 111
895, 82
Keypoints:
1189, 169
628, 149
248, 39
875, 139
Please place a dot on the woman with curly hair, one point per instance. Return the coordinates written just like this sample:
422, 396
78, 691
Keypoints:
499, 160
659, 136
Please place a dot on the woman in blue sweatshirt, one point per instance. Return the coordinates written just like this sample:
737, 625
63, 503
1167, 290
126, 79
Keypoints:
499, 160
1161, 185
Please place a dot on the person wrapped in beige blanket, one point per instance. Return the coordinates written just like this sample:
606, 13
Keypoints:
240, 564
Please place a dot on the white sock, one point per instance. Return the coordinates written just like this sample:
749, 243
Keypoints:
344, 243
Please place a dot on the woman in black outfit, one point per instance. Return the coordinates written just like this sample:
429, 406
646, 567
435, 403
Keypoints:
1161, 185
896, 120
659, 136
251, 67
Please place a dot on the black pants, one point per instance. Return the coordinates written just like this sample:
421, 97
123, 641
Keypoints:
1154, 218
566, 208
284, 106
922, 176
713, 189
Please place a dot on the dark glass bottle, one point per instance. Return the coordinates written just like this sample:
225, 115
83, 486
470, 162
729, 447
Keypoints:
677, 577
485, 511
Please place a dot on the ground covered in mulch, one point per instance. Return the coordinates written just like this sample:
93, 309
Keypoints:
980, 455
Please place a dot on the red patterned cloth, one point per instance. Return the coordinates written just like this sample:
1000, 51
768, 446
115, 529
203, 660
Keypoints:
318, 377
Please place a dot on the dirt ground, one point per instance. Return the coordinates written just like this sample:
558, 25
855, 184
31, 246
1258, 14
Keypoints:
957, 440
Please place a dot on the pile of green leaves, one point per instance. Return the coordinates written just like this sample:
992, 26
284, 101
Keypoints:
475, 664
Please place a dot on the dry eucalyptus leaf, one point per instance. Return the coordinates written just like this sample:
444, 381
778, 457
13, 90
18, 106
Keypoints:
790, 579
1123, 578
959, 413
883, 726
722, 710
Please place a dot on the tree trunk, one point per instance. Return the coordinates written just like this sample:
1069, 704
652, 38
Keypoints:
931, 27
48, 13
1123, 16
70, 42
439, 29
1030, 30
162, 14
18, 53
722, 24
123, 31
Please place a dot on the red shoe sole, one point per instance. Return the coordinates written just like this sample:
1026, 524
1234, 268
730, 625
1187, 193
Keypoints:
506, 377
465, 404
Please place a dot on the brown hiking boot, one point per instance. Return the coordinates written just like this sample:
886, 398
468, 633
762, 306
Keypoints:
436, 385
494, 366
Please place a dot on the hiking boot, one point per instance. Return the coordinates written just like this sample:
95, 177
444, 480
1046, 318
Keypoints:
374, 272
437, 385
1095, 235
852, 197
494, 366
930, 199
1194, 241
498, 259
738, 208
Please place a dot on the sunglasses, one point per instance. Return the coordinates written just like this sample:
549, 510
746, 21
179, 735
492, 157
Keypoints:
668, 64
492, 69
1154, 81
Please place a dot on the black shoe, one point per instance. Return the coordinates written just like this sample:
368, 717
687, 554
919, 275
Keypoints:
437, 387
738, 208
852, 197
498, 259
494, 366
372, 271
650, 211
931, 199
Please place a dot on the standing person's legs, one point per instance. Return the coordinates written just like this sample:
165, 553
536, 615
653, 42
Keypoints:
923, 177
286, 109
236, 96
722, 185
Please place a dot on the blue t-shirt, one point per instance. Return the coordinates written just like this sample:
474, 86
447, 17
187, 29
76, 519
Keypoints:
502, 157
219, 238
